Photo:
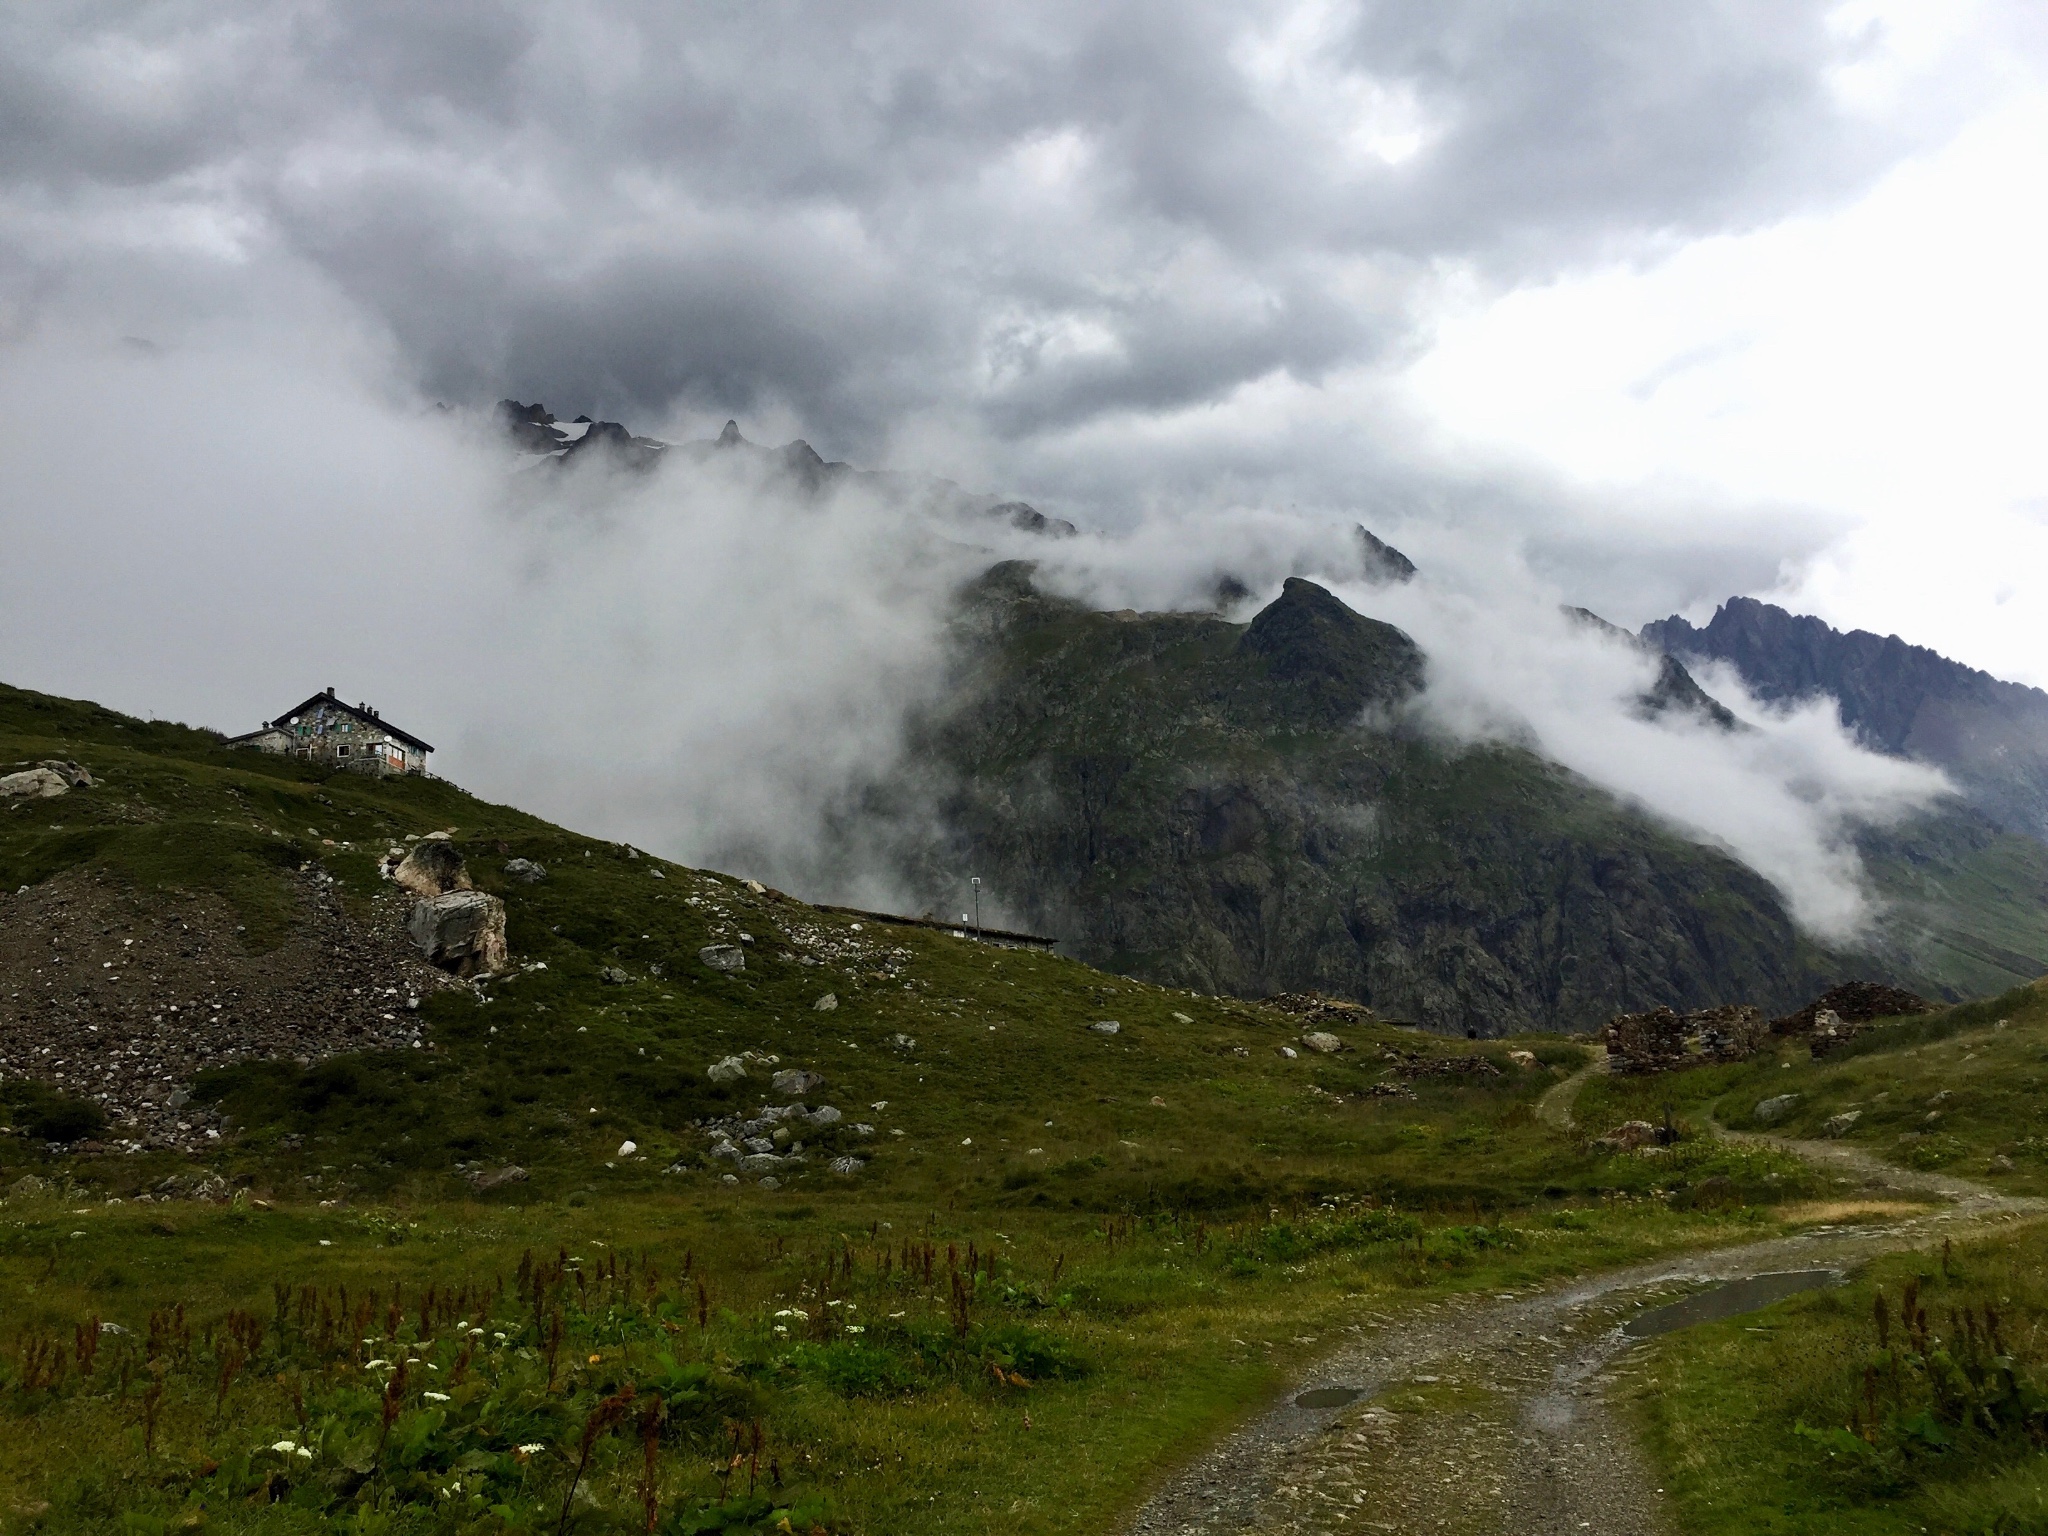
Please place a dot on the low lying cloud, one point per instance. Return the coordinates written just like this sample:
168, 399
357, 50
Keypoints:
1505, 663
702, 662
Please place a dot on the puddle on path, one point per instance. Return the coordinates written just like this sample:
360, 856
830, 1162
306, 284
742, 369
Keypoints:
1329, 1397
1730, 1300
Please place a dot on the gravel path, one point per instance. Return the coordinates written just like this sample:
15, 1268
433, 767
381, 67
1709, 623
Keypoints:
1489, 1414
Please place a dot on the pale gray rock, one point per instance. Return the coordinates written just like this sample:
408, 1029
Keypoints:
728, 958
460, 931
33, 784
433, 868
730, 1070
1323, 1043
525, 871
795, 1082
1770, 1111
1105, 1026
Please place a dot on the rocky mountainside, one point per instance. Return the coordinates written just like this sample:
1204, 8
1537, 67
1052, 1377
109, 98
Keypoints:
1235, 807
1991, 736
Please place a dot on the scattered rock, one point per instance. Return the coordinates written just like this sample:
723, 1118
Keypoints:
2001, 1164
795, 1082
1628, 1136
615, 976
1663, 1039
627, 1148
1771, 1111
1181, 1018
1526, 1060
826, 1003
1289, 1052
846, 1165
762, 1162
1838, 1125
727, 958
825, 1114
730, 1070
1105, 1026
904, 1043
27, 1187
433, 868
1315, 1008
1323, 1043
483, 1181
460, 931
525, 871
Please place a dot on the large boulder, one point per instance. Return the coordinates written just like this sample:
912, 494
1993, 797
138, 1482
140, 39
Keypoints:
795, 1082
525, 871
1770, 1111
729, 958
460, 931
433, 868
32, 784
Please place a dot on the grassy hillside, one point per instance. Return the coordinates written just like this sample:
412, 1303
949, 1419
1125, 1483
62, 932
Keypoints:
1052, 1225
1066, 1260
1962, 1091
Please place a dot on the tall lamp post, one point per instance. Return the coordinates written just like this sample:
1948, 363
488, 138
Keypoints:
975, 881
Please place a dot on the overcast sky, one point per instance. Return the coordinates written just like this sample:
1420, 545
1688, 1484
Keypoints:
1688, 299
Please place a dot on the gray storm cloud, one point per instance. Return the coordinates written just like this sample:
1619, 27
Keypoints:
1016, 218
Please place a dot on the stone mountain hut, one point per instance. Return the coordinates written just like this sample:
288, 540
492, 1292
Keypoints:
352, 736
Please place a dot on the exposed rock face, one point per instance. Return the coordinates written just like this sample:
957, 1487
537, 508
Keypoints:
433, 868
460, 931
1239, 808
1991, 735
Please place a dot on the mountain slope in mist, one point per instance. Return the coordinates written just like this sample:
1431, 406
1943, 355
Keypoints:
1195, 802
1991, 736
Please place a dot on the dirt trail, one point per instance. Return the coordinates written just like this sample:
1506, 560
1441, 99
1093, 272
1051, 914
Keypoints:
1488, 1414
1554, 1109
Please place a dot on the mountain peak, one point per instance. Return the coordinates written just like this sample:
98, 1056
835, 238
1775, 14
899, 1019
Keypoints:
730, 437
1335, 661
1384, 564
